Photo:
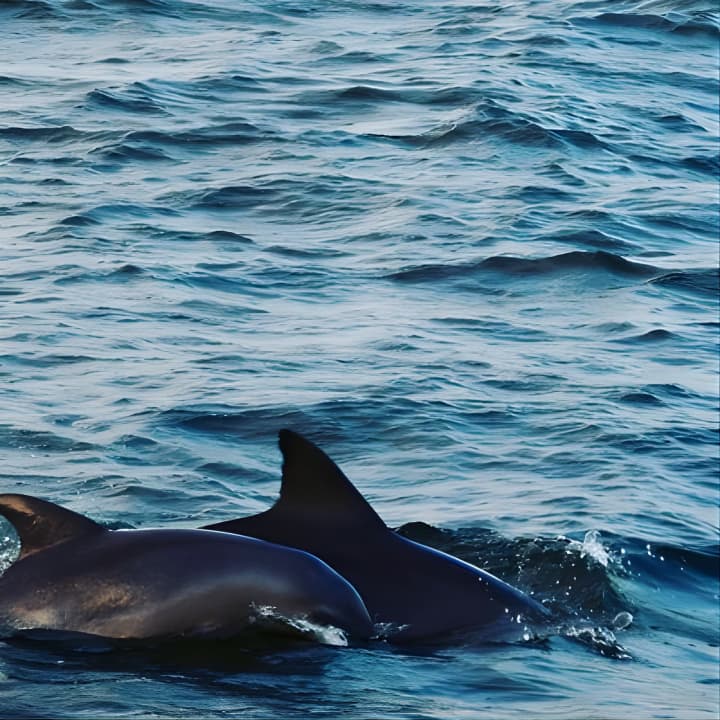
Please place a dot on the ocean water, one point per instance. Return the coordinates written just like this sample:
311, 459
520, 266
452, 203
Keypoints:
470, 249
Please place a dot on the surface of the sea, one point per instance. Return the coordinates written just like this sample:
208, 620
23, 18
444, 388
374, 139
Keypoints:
470, 249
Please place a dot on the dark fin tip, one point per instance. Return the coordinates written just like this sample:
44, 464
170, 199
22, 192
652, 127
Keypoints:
41, 524
311, 481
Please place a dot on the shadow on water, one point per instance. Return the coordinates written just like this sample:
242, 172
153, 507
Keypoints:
249, 653
184, 678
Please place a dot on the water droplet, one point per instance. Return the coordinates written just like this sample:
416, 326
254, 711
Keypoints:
593, 547
622, 620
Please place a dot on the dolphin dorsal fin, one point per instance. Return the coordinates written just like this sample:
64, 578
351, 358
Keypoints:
40, 524
312, 482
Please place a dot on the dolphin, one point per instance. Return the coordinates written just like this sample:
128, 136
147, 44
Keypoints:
74, 575
416, 591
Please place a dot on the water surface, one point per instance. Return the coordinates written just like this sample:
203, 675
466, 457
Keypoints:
469, 249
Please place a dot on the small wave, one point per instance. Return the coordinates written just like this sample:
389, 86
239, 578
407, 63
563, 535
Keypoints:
11, 81
224, 470
490, 118
455, 96
101, 213
540, 194
229, 83
309, 253
82, 5
49, 134
316, 200
79, 221
138, 98
571, 261
696, 282
53, 360
335, 419
595, 239
671, 392
161, 497
357, 56
231, 197
147, 7
122, 273
214, 236
152, 145
32, 9
651, 336
129, 152
233, 133
678, 122
220, 421
367, 92
577, 260
672, 22
708, 165
516, 130
641, 398
40, 440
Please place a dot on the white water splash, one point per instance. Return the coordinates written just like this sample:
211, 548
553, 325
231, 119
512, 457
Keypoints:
600, 639
385, 630
9, 548
592, 546
325, 634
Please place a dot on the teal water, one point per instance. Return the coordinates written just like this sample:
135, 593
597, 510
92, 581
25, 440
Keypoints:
470, 250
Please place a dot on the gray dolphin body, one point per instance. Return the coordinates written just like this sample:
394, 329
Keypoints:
420, 591
74, 575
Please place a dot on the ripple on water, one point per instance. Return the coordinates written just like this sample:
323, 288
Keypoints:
469, 249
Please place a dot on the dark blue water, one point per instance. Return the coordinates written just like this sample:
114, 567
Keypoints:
469, 249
